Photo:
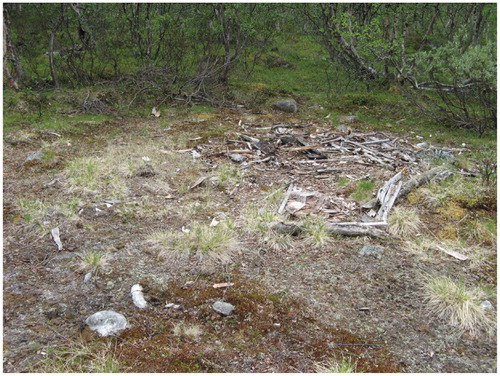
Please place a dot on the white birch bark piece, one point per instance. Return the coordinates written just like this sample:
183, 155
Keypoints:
57, 239
138, 296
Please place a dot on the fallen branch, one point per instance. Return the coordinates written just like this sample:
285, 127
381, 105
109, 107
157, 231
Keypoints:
387, 196
333, 228
438, 173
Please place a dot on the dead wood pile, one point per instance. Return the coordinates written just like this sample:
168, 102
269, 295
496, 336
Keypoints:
319, 154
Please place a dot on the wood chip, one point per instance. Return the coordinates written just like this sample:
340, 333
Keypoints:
455, 254
198, 182
57, 239
222, 285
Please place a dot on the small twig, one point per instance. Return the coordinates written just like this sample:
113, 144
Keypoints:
358, 344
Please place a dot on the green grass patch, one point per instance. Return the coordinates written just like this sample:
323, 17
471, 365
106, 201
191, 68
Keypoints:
214, 244
363, 190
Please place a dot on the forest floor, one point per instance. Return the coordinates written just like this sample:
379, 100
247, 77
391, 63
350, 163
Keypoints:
131, 191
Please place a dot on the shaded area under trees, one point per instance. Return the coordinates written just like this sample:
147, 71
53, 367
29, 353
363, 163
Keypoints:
442, 55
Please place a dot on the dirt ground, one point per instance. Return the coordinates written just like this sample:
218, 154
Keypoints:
296, 307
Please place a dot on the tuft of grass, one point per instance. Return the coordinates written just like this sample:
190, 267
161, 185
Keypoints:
279, 242
404, 222
91, 175
79, 358
457, 304
227, 175
481, 231
92, 261
344, 365
423, 247
363, 190
273, 199
342, 181
480, 257
84, 173
315, 233
256, 219
217, 244
32, 211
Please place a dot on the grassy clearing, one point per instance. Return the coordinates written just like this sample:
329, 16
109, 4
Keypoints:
91, 176
79, 358
457, 304
404, 222
468, 193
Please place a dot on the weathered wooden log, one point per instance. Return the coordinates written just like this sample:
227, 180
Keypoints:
333, 228
438, 173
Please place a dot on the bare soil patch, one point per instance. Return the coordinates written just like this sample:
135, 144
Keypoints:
297, 306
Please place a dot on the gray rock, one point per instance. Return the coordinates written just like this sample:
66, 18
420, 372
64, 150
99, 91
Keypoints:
238, 158
33, 157
369, 249
223, 308
87, 278
107, 322
487, 305
286, 105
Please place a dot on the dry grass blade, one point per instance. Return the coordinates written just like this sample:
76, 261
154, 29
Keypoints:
344, 365
457, 304
404, 222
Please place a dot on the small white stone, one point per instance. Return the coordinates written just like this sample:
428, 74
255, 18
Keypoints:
487, 305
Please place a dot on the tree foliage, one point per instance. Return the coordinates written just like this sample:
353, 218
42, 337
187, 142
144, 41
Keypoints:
445, 49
